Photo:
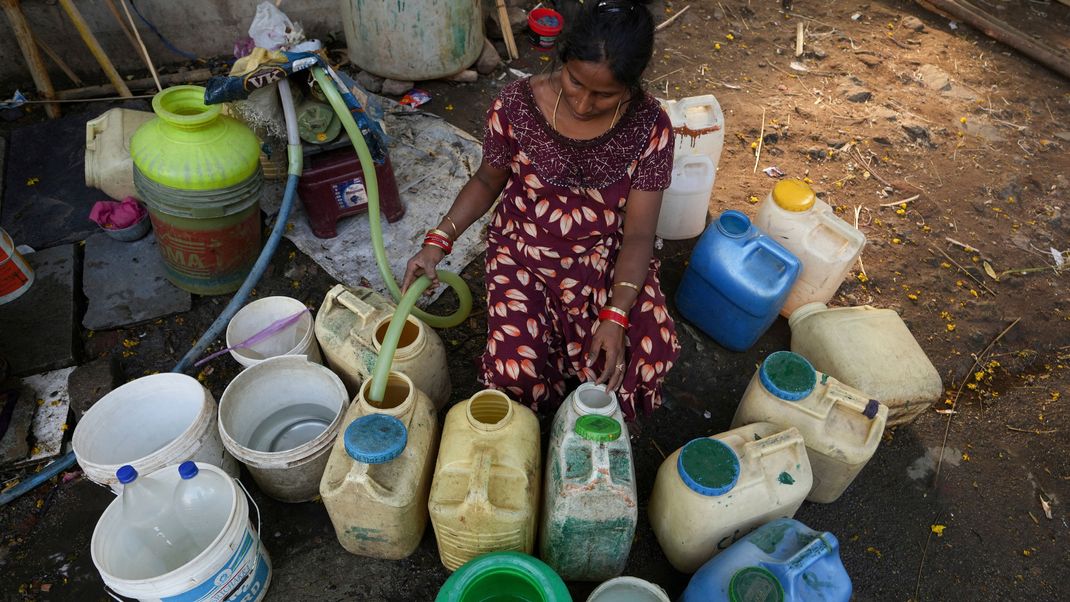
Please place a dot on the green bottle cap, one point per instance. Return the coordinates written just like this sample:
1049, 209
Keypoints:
593, 427
755, 584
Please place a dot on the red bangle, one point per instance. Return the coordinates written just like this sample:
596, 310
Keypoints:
434, 243
608, 315
438, 240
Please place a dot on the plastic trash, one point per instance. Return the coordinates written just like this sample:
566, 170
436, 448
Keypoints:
272, 29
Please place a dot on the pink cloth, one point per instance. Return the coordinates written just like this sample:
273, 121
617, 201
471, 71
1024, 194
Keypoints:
115, 215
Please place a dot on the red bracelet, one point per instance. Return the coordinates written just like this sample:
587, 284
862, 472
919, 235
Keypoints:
618, 317
441, 239
437, 240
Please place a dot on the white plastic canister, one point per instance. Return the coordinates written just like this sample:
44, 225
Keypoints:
825, 245
108, 165
715, 490
841, 425
149, 423
685, 204
698, 123
235, 566
870, 349
628, 589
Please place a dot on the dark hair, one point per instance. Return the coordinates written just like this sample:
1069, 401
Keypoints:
619, 32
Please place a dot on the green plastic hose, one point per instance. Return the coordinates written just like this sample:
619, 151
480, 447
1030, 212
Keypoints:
406, 303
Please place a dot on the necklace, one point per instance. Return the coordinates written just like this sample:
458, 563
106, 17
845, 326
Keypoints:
612, 122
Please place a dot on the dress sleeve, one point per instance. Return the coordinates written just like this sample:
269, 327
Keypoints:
654, 171
499, 147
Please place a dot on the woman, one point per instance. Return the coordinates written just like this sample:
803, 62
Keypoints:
579, 158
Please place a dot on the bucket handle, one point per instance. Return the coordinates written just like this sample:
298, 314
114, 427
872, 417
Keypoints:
256, 559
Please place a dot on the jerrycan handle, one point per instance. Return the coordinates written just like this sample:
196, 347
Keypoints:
353, 303
701, 101
823, 545
93, 129
843, 229
479, 482
781, 254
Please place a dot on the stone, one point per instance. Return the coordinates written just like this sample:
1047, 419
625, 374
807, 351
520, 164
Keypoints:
467, 76
918, 133
489, 59
869, 60
912, 23
858, 94
394, 87
13, 444
934, 78
371, 82
125, 283
89, 382
39, 327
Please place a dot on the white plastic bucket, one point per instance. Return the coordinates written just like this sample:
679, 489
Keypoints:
235, 566
297, 339
628, 589
279, 401
149, 423
16, 276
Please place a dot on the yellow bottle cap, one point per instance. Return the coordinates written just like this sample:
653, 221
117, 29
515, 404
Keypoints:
793, 195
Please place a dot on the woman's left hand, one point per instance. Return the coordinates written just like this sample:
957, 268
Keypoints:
608, 341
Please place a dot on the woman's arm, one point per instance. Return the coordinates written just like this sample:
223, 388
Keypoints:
475, 198
633, 263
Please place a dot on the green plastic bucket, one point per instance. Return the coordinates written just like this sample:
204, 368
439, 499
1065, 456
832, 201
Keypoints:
198, 172
504, 577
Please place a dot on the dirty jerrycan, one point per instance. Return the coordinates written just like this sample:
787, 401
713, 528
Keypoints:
377, 479
698, 123
870, 349
781, 560
714, 490
686, 201
841, 425
825, 245
108, 166
590, 506
736, 282
485, 492
350, 327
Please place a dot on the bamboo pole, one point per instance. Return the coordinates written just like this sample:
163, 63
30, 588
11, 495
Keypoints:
141, 47
185, 77
94, 47
507, 30
59, 62
122, 22
24, 36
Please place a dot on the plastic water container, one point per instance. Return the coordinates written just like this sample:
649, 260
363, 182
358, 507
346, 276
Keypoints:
736, 282
628, 589
699, 126
590, 505
714, 490
378, 477
108, 166
16, 276
296, 339
156, 536
841, 425
825, 245
233, 566
781, 560
280, 418
485, 493
872, 350
194, 501
686, 202
504, 577
350, 327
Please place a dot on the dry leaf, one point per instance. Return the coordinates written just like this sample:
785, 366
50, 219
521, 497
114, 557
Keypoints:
1046, 506
991, 273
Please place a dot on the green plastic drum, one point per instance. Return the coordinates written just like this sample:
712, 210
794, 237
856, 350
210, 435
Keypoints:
504, 577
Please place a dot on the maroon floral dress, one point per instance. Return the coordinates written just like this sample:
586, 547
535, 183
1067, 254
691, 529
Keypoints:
552, 244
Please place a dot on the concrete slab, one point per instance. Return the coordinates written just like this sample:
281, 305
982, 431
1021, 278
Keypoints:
50, 418
14, 444
125, 283
39, 327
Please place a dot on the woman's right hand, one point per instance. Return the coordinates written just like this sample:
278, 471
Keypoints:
423, 264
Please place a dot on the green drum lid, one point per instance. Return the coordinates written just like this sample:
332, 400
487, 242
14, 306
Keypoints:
788, 375
708, 466
755, 584
601, 429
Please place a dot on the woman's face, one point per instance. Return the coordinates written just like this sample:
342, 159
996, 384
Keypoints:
590, 90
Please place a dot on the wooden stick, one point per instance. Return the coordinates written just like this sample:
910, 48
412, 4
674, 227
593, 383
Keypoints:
902, 202
799, 38
122, 22
507, 30
761, 138
141, 46
1033, 431
94, 46
668, 22
967, 272
64, 67
185, 77
999, 30
24, 37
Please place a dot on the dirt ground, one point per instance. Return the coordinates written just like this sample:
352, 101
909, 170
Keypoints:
950, 151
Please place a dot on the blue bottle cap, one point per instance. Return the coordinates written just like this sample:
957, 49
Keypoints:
375, 438
188, 469
708, 466
126, 474
788, 375
755, 584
